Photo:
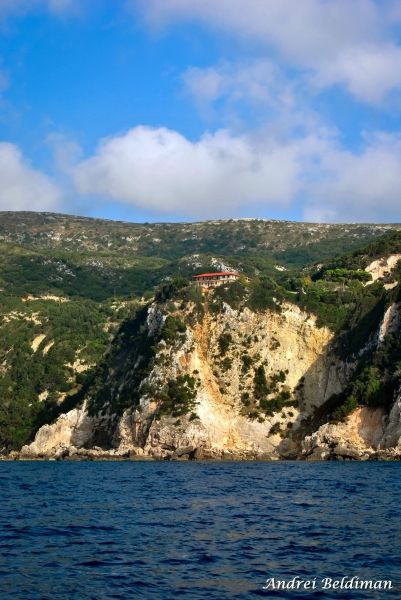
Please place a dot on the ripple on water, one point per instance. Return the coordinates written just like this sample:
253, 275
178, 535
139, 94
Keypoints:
194, 530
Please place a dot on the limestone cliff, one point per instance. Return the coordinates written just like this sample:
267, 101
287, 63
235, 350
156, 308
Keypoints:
368, 432
307, 340
182, 380
220, 353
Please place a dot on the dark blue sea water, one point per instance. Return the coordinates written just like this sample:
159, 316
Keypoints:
105, 530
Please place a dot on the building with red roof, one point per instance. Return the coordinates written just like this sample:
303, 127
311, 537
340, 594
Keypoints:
207, 280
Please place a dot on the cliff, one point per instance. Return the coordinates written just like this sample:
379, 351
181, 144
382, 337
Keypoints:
366, 434
235, 383
283, 363
196, 378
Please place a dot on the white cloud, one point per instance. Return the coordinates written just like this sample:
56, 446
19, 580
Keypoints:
222, 175
370, 73
257, 81
21, 186
251, 95
358, 187
160, 169
337, 41
305, 30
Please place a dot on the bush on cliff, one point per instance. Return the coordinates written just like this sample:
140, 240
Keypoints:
234, 294
173, 329
265, 294
260, 386
225, 340
168, 291
178, 396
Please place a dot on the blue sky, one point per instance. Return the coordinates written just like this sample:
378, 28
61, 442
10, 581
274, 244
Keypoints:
192, 109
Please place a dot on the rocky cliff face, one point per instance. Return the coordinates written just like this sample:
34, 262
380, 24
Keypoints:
223, 425
236, 383
247, 370
220, 353
366, 434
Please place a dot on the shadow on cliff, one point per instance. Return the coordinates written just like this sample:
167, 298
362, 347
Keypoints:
324, 383
318, 394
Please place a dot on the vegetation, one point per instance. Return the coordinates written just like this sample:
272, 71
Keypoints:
275, 429
376, 381
265, 294
276, 404
225, 340
389, 243
346, 275
173, 329
260, 387
169, 290
269, 394
178, 396
247, 362
93, 338
234, 294
288, 242
65, 332
116, 382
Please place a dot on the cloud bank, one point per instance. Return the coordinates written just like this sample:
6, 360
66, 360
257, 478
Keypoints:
352, 44
162, 170
21, 186
221, 174
359, 187
270, 149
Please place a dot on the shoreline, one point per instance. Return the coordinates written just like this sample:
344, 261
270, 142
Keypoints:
385, 457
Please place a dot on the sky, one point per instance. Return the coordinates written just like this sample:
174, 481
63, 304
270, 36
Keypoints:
183, 110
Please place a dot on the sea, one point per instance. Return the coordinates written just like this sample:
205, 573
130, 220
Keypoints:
198, 530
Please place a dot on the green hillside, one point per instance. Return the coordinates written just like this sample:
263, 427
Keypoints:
67, 285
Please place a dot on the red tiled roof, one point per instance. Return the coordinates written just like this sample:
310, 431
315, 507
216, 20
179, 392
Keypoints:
215, 274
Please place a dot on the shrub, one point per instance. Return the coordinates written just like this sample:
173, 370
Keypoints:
226, 363
178, 396
263, 293
246, 362
245, 398
253, 415
192, 294
173, 329
342, 274
224, 341
232, 294
345, 409
260, 387
367, 388
169, 290
274, 429
276, 404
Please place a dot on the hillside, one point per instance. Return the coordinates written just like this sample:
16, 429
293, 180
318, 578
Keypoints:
289, 242
99, 260
83, 338
217, 376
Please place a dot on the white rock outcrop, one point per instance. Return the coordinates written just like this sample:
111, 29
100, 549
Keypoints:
71, 430
381, 268
358, 437
287, 341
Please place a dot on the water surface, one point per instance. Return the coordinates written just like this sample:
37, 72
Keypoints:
196, 530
